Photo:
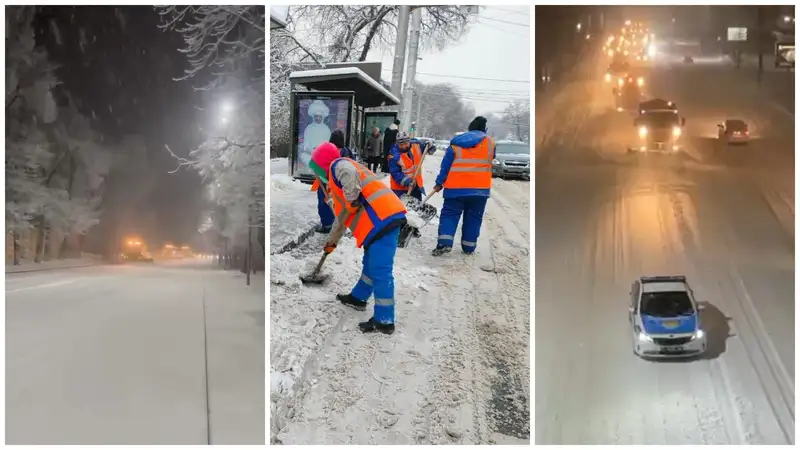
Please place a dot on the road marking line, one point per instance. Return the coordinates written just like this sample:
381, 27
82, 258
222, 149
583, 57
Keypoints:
57, 283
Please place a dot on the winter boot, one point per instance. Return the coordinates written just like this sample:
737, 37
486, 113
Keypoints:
323, 230
441, 250
372, 326
349, 300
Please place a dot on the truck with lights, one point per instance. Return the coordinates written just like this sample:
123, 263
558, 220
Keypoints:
659, 127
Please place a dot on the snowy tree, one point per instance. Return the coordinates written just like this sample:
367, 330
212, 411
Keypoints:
218, 38
443, 112
345, 33
349, 32
518, 117
228, 41
29, 107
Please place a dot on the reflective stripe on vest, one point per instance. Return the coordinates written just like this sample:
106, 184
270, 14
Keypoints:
374, 193
408, 167
472, 167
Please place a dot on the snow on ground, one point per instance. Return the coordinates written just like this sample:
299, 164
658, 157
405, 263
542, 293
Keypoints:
457, 368
29, 266
115, 355
293, 206
606, 217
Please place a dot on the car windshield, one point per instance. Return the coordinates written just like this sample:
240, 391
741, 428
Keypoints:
659, 119
667, 304
514, 149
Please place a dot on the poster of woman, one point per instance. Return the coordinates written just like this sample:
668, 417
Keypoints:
316, 119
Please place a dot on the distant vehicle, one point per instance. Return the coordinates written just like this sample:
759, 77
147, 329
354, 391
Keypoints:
617, 70
133, 249
733, 131
628, 97
658, 127
665, 318
512, 159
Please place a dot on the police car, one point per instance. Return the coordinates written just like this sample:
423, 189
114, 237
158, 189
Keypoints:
664, 318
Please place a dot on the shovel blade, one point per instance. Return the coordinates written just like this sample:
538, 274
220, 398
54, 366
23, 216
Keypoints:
314, 278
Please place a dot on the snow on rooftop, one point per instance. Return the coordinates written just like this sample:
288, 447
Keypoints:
299, 75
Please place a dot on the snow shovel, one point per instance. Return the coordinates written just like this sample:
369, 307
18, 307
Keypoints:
315, 277
425, 213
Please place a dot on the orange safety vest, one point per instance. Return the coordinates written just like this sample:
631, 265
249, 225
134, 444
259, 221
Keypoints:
376, 197
315, 185
408, 166
472, 167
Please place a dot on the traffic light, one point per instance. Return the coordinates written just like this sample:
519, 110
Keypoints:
413, 127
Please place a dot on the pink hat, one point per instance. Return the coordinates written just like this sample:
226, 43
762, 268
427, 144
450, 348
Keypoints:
322, 157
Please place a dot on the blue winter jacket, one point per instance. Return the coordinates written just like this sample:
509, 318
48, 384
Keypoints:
346, 153
469, 139
394, 168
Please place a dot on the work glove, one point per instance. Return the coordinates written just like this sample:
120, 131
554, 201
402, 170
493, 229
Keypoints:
437, 188
329, 247
356, 203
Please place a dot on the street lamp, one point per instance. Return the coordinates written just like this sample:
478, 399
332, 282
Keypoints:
578, 26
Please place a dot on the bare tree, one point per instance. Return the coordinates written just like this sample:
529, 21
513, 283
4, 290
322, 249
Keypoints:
348, 32
220, 38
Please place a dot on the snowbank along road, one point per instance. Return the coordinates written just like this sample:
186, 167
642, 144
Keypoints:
115, 355
457, 369
724, 217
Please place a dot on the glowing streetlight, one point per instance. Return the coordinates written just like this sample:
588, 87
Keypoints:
578, 26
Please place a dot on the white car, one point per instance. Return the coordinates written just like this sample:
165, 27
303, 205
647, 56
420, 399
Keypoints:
733, 131
665, 318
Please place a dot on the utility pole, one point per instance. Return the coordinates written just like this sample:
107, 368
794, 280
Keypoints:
400, 51
419, 108
411, 70
760, 41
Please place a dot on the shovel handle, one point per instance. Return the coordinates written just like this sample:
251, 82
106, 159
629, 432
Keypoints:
419, 168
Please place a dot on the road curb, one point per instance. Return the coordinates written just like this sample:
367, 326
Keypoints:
294, 243
39, 269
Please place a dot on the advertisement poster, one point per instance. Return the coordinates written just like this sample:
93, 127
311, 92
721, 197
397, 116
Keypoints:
784, 55
316, 117
381, 120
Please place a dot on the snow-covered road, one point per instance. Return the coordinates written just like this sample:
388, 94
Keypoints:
457, 370
723, 217
115, 355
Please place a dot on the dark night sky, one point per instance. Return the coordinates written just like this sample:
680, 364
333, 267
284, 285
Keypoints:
119, 67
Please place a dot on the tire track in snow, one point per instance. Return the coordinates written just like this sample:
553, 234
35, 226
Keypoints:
769, 380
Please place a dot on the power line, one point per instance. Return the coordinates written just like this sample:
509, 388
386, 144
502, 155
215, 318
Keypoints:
466, 78
502, 30
506, 21
513, 11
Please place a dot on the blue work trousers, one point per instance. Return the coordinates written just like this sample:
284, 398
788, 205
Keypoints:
472, 208
326, 216
377, 276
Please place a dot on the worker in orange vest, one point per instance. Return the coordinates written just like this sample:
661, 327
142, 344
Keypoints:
466, 177
326, 217
375, 216
404, 159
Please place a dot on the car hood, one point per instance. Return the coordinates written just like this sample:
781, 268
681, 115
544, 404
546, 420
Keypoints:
669, 325
521, 157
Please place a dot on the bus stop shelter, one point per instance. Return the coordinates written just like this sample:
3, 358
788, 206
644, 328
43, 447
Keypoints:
366, 90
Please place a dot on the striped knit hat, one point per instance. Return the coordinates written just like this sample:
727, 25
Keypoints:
321, 159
